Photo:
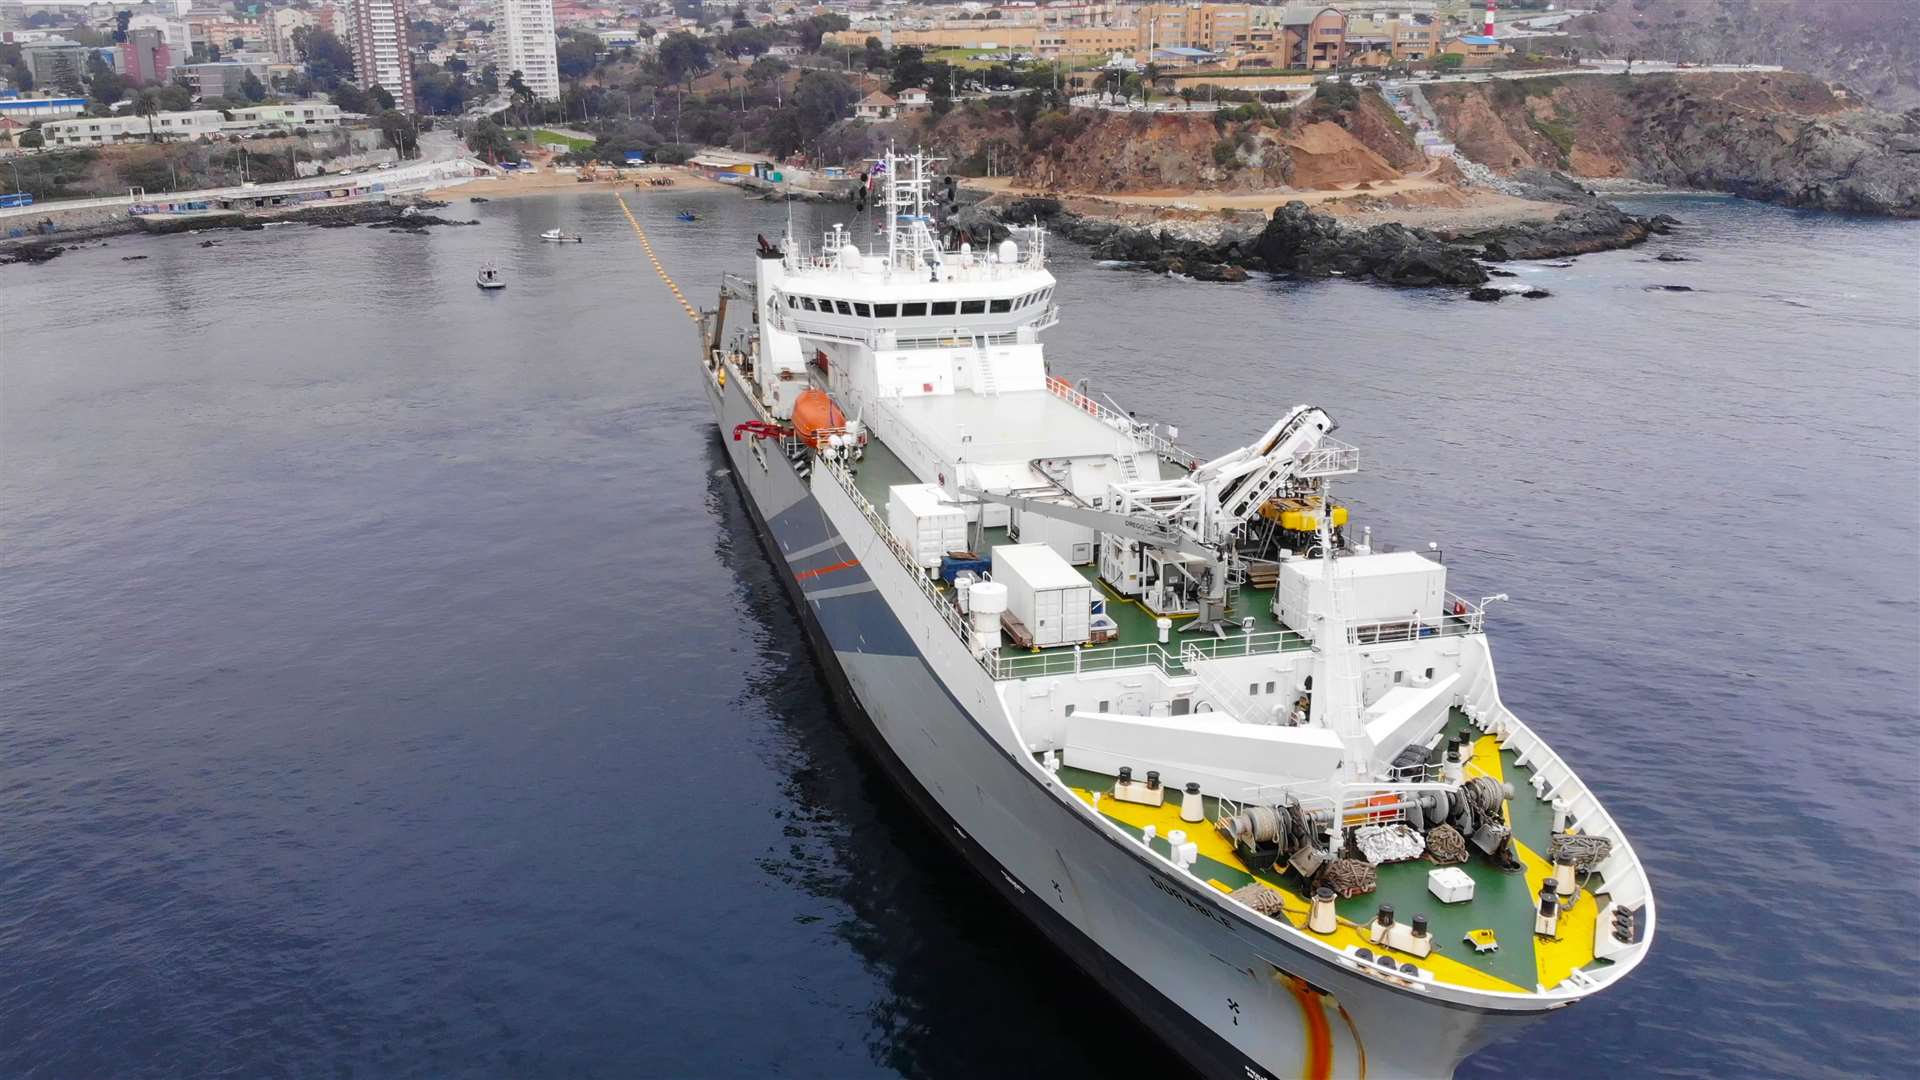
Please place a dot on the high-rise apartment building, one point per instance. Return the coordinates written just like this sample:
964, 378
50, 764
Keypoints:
523, 41
381, 55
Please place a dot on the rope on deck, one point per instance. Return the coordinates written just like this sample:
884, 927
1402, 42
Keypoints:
655, 259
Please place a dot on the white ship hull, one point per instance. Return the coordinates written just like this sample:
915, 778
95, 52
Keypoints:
1231, 996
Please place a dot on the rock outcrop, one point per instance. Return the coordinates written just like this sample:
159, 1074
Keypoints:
1299, 242
1773, 136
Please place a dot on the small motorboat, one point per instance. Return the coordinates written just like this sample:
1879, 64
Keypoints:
489, 278
478, 199
555, 236
688, 215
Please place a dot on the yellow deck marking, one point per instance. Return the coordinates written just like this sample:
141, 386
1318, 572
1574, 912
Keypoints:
1556, 958
1215, 846
655, 259
1553, 959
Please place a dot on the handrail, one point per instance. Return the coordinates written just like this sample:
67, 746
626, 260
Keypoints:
1459, 616
1144, 437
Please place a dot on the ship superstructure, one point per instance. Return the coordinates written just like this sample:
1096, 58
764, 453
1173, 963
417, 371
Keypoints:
1250, 771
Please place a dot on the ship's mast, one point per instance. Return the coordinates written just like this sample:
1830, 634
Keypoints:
910, 239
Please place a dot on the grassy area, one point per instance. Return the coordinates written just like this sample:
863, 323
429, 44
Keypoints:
543, 136
970, 59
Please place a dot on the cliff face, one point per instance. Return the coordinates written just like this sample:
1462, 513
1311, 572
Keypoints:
1871, 46
1098, 152
1780, 137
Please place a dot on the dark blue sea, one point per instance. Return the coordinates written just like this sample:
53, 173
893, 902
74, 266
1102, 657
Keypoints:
391, 684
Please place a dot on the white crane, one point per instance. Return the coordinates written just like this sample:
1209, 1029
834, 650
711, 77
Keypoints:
1197, 514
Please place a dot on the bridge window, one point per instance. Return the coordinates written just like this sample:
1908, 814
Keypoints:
862, 310
1001, 306
841, 306
973, 307
943, 307
807, 302
912, 311
791, 302
885, 311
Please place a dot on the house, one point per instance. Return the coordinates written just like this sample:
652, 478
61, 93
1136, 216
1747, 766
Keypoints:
913, 98
875, 106
1478, 50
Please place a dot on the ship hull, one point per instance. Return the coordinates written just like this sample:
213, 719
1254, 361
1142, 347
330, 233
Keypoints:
1222, 992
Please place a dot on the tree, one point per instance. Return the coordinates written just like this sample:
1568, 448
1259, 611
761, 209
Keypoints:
351, 98
682, 56
32, 140
252, 87
1149, 76
120, 21
103, 83
147, 103
814, 27
490, 141
175, 96
398, 131
380, 97
65, 73
577, 54
909, 69
326, 57
876, 57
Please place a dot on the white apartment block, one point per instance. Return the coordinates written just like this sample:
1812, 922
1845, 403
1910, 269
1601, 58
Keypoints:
192, 124
523, 41
93, 130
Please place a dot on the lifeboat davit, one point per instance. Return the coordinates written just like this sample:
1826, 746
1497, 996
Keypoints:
813, 413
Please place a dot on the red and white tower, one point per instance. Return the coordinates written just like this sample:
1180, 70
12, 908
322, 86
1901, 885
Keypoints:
1489, 28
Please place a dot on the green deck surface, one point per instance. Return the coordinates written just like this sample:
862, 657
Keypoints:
1502, 901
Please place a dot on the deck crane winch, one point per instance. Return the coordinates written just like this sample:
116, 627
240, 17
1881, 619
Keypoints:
1197, 515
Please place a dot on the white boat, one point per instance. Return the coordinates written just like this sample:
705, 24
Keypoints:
555, 236
1275, 801
490, 278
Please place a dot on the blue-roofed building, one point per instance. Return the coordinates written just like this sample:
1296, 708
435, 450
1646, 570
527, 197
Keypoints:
26, 110
1476, 50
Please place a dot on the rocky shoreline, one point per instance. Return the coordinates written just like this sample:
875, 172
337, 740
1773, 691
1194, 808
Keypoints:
399, 216
1302, 243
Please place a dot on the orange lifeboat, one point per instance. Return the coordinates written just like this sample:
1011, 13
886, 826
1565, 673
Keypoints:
814, 412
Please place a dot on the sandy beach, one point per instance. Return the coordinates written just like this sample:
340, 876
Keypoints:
548, 182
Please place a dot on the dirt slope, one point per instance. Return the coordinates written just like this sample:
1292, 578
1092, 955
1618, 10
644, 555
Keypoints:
1781, 137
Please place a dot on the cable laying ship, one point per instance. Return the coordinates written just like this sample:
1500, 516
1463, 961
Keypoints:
1251, 774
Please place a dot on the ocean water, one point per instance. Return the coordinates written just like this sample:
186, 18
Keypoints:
391, 684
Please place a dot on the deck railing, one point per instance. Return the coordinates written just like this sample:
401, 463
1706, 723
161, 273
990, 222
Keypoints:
1018, 665
1458, 616
944, 607
1143, 436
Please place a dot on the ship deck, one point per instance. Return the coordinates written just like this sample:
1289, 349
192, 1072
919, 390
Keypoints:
1503, 902
882, 469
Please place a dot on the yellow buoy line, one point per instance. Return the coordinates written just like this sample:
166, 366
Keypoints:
655, 259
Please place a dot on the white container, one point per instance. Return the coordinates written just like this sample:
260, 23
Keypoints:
1451, 884
1047, 595
924, 520
1389, 587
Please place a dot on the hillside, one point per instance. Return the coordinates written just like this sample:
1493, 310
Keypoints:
1871, 46
1354, 139
1780, 137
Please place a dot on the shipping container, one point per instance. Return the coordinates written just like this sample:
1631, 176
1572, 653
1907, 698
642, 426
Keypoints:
1390, 587
1045, 593
926, 522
